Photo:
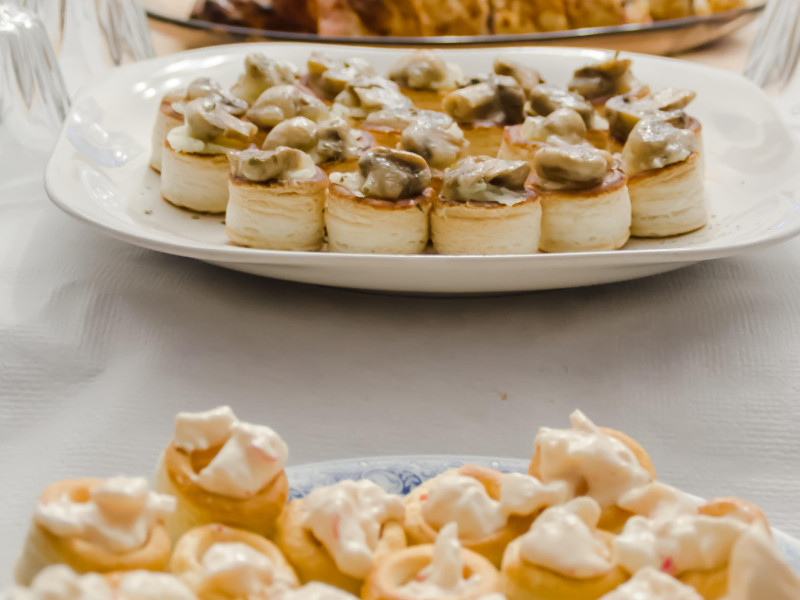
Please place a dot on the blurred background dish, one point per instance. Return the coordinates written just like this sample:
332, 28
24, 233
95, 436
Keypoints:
650, 26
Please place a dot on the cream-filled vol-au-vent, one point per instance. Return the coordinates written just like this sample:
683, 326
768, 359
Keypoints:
590, 520
611, 157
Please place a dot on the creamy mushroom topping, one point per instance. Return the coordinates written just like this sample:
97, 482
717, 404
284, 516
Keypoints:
283, 102
526, 76
262, 72
589, 460
483, 179
652, 584
364, 95
560, 126
393, 118
330, 74
299, 132
565, 539
389, 174
499, 99
265, 166
546, 98
464, 500
425, 70
654, 144
336, 141
210, 129
603, 80
347, 518
205, 87
571, 167
625, 111
250, 456
757, 572
118, 515
444, 576
436, 138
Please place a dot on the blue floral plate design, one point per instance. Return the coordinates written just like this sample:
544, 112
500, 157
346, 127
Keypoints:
401, 474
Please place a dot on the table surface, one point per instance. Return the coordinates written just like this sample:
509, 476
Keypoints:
101, 343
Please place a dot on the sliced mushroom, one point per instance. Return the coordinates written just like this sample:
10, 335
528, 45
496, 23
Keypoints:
625, 111
604, 79
564, 124
336, 140
365, 95
654, 144
205, 87
209, 122
393, 174
285, 102
262, 166
526, 76
392, 118
484, 178
438, 143
299, 132
260, 73
424, 70
330, 75
546, 98
499, 99
571, 166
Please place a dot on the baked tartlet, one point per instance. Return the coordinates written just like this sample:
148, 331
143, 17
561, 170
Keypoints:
100, 525
484, 208
545, 98
522, 142
338, 533
260, 73
425, 78
276, 200
381, 208
222, 470
490, 508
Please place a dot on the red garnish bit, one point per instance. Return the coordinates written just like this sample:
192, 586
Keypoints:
668, 566
423, 497
421, 577
220, 528
336, 520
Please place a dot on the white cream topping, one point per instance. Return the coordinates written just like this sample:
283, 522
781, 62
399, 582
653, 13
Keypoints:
679, 543
203, 430
565, 539
148, 585
59, 582
118, 516
347, 518
180, 140
444, 576
758, 572
584, 455
658, 499
560, 126
352, 181
237, 569
652, 584
465, 501
315, 590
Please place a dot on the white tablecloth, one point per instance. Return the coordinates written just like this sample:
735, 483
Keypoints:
101, 343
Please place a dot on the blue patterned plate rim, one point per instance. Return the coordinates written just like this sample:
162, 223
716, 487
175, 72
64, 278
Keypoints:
399, 474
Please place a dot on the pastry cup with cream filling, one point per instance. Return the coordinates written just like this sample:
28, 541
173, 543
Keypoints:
381, 209
276, 200
665, 180
477, 498
483, 208
222, 470
562, 557
194, 170
337, 533
584, 196
436, 570
219, 563
97, 525
425, 78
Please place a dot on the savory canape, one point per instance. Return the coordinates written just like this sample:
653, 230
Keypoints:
260, 73
522, 142
425, 78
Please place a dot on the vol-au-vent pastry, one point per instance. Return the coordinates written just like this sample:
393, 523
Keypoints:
383, 207
584, 197
282, 102
527, 77
276, 200
439, 570
601, 81
328, 75
224, 563
437, 139
489, 507
332, 143
563, 556
222, 470
425, 78
522, 142
194, 169
337, 533
364, 95
484, 108
598, 462
100, 525
652, 584
758, 572
665, 179
171, 111
387, 126
484, 208
260, 73
623, 112
545, 98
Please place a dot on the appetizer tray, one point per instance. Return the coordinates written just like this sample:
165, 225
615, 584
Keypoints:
99, 174
661, 37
